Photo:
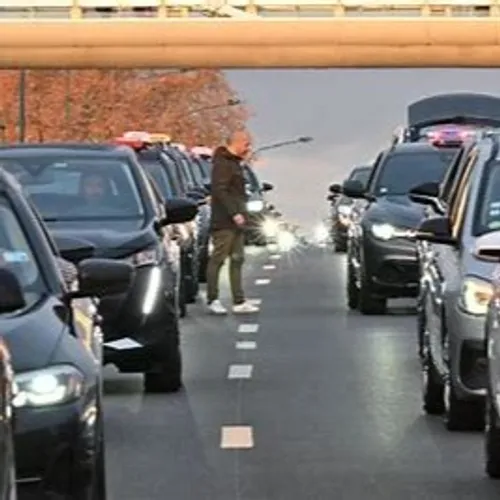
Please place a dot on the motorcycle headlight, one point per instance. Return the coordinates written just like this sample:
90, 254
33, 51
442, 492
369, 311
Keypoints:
270, 228
384, 231
48, 387
144, 257
344, 210
255, 205
321, 233
475, 295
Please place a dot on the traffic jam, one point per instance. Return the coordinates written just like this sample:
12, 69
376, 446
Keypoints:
423, 222
103, 248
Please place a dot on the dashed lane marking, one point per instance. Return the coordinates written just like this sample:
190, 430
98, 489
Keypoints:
262, 281
236, 437
240, 371
248, 328
275, 256
246, 345
268, 267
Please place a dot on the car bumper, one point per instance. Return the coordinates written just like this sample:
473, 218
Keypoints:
55, 447
467, 353
392, 267
134, 324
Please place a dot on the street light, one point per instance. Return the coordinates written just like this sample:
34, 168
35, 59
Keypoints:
228, 104
276, 145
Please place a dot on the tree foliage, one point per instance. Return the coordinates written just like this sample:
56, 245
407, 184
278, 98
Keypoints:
192, 106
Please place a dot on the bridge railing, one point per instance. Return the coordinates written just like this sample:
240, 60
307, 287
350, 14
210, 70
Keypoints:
161, 8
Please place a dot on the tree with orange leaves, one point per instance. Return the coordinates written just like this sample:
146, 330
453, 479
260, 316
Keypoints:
99, 104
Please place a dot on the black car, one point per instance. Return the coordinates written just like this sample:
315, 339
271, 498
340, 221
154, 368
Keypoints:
100, 197
340, 215
160, 168
53, 335
7, 391
381, 262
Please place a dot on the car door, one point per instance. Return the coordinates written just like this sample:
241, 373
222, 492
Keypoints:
445, 270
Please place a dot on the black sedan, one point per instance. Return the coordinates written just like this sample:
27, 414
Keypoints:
100, 198
381, 262
52, 334
7, 458
341, 208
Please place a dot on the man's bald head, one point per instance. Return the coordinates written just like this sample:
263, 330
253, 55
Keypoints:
239, 143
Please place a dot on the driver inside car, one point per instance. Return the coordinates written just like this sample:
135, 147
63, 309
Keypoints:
95, 188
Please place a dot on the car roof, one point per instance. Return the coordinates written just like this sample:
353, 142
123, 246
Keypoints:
57, 148
416, 147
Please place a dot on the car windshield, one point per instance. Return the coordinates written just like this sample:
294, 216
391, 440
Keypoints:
403, 171
361, 175
160, 176
179, 171
205, 166
78, 188
17, 256
487, 217
197, 171
251, 179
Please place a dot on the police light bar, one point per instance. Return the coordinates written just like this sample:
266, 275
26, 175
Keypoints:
180, 147
135, 144
449, 136
138, 136
157, 137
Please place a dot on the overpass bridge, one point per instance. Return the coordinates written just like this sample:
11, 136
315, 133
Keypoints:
249, 33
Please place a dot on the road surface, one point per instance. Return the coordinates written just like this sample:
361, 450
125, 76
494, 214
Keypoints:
325, 404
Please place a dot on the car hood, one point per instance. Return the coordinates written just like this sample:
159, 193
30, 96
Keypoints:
32, 338
397, 210
109, 243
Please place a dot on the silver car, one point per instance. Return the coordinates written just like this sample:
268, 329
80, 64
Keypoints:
456, 290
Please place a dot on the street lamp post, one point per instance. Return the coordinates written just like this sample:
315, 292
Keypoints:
228, 104
277, 145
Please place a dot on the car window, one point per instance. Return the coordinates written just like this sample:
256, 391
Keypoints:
403, 171
78, 188
204, 166
251, 179
361, 175
196, 172
17, 256
487, 217
451, 174
449, 192
156, 170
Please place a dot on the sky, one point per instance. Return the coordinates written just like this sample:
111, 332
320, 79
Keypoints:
351, 115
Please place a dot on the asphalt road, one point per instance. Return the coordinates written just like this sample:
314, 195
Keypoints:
329, 407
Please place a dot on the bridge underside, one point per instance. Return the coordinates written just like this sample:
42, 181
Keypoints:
341, 42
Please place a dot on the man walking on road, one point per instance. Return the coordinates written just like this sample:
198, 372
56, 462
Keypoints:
227, 224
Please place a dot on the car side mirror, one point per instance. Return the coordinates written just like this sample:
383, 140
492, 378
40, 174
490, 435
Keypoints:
72, 249
354, 189
436, 230
331, 197
102, 277
267, 186
425, 194
335, 189
180, 210
11, 293
487, 247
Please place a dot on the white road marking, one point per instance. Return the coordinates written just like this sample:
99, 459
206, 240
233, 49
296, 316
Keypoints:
255, 302
122, 344
262, 281
269, 267
240, 371
236, 437
275, 256
248, 328
246, 345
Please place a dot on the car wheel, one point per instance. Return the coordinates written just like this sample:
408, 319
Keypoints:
492, 440
352, 289
368, 304
461, 415
167, 377
432, 386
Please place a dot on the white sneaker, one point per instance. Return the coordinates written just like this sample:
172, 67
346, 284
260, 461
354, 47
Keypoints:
216, 307
245, 308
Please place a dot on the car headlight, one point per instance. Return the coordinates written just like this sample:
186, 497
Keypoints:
321, 233
475, 295
255, 205
286, 241
344, 210
270, 228
144, 257
48, 387
385, 231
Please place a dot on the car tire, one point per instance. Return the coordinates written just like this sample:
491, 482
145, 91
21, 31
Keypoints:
432, 386
492, 440
167, 377
368, 304
462, 415
352, 289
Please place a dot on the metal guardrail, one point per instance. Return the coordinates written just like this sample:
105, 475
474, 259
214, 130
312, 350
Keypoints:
160, 8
